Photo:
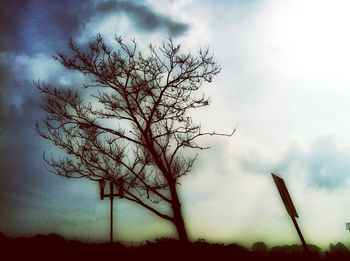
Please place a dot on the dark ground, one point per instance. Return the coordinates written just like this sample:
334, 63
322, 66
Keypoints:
55, 247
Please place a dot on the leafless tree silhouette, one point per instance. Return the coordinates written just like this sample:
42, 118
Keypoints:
130, 124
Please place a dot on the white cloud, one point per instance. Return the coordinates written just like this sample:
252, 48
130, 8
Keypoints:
285, 80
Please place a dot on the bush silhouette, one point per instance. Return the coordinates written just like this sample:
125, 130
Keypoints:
259, 247
338, 248
56, 247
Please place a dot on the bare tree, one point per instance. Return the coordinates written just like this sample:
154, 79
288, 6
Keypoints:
134, 125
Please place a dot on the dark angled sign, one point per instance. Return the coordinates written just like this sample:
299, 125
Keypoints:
282, 189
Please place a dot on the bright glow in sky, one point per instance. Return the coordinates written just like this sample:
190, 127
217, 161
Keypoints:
285, 79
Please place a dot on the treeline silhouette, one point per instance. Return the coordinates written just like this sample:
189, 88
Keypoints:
56, 247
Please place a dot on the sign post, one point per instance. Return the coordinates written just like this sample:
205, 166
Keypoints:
288, 203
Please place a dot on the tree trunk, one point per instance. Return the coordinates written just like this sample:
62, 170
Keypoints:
178, 218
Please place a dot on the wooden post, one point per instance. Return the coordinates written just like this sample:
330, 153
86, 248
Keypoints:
111, 199
306, 249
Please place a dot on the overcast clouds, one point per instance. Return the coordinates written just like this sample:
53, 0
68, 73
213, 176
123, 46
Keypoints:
285, 79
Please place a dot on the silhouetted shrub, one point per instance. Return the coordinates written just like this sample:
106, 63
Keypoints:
50, 238
338, 251
259, 247
338, 248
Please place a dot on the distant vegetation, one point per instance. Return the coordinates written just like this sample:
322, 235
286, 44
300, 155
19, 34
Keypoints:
55, 247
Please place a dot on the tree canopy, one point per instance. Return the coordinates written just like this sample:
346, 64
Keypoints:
130, 123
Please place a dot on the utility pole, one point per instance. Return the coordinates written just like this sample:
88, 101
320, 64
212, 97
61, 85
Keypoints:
111, 195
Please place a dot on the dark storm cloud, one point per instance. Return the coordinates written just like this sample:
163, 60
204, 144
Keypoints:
20, 150
51, 23
45, 26
22, 170
10, 24
3, 79
37, 25
32, 31
144, 17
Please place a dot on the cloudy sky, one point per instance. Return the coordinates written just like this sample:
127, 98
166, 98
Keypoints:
285, 80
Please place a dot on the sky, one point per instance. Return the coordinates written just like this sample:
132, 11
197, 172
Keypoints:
285, 81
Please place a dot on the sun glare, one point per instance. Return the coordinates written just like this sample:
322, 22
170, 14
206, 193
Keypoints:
312, 37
